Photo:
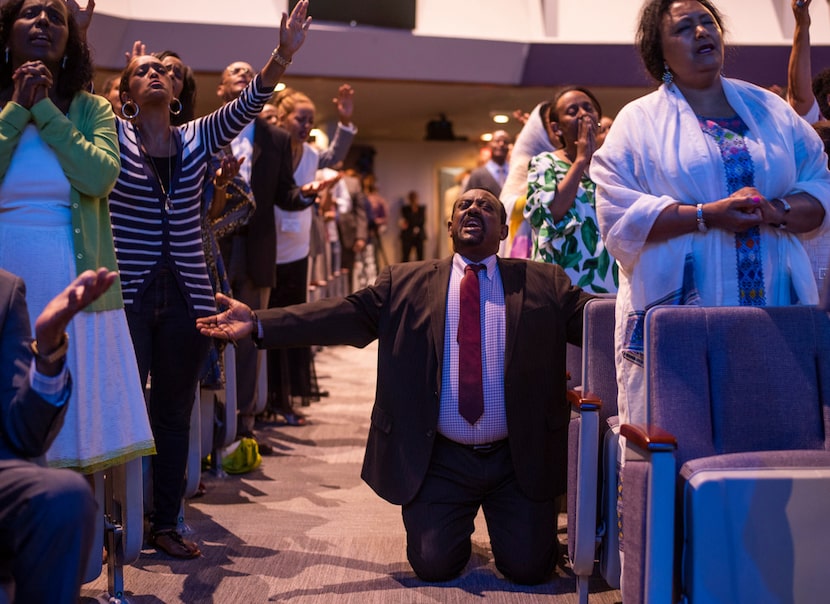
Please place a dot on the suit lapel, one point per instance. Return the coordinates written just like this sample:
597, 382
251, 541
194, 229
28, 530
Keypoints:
513, 277
259, 130
437, 299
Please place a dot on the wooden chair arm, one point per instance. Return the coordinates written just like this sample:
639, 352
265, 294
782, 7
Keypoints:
583, 401
649, 438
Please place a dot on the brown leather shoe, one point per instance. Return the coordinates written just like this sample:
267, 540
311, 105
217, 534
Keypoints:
173, 544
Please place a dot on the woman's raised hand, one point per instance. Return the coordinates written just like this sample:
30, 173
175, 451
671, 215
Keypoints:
293, 30
83, 16
344, 102
139, 50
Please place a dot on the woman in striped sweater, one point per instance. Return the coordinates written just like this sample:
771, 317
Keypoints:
156, 217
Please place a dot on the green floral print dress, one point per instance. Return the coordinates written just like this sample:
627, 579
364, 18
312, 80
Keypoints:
572, 242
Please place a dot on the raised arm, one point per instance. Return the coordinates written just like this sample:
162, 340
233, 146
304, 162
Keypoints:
799, 70
344, 102
83, 16
344, 134
293, 31
224, 124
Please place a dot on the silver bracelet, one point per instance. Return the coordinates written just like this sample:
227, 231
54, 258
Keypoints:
279, 59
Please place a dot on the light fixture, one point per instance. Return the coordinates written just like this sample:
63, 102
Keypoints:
487, 137
500, 116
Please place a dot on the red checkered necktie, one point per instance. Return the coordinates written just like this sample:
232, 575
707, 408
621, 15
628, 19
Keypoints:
470, 390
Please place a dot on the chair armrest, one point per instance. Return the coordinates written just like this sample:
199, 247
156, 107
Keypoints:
656, 448
649, 438
583, 478
583, 401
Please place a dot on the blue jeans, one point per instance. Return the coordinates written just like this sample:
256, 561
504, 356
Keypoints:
170, 349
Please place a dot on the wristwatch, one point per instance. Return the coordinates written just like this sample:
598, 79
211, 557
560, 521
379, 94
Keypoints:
784, 204
786, 207
53, 356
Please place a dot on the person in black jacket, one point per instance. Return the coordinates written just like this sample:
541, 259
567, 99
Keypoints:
47, 515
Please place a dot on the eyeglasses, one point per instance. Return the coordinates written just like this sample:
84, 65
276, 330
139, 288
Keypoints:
235, 71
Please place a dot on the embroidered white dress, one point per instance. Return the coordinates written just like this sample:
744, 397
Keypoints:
106, 423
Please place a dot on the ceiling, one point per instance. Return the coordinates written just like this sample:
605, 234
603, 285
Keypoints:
399, 110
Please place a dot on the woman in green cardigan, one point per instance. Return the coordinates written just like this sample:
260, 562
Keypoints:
59, 159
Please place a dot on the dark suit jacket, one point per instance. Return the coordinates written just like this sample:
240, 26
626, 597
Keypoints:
414, 220
28, 424
254, 249
480, 178
405, 310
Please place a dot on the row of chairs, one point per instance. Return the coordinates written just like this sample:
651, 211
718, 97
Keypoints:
726, 490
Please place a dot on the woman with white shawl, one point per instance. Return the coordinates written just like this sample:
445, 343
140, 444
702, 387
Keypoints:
705, 188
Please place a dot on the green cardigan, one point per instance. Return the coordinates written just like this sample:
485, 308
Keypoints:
86, 144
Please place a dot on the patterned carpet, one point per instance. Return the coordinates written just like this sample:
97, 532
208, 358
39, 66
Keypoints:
303, 528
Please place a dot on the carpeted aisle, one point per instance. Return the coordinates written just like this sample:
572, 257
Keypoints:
304, 528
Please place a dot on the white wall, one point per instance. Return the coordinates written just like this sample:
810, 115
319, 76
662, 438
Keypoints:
402, 167
568, 21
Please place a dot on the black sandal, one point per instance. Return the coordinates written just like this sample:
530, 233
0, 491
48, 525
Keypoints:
173, 544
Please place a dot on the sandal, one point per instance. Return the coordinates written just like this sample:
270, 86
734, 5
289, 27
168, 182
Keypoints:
173, 544
295, 419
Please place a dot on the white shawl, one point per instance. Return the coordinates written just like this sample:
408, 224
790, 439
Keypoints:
532, 140
656, 155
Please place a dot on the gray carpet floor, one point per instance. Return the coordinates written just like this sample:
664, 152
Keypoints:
303, 528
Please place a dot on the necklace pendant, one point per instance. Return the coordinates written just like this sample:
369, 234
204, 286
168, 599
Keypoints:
168, 204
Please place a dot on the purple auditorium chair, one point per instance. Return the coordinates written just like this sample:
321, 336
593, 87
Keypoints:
726, 490
592, 453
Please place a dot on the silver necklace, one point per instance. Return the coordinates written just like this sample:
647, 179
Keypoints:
166, 199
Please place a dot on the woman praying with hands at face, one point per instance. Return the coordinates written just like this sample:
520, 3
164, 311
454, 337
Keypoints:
561, 201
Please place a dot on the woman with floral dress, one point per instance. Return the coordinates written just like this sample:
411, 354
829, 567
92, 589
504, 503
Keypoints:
560, 196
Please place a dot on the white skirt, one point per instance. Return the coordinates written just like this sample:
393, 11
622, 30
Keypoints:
106, 423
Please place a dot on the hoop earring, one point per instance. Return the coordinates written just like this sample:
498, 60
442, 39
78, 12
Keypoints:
175, 107
63, 63
668, 76
130, 110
